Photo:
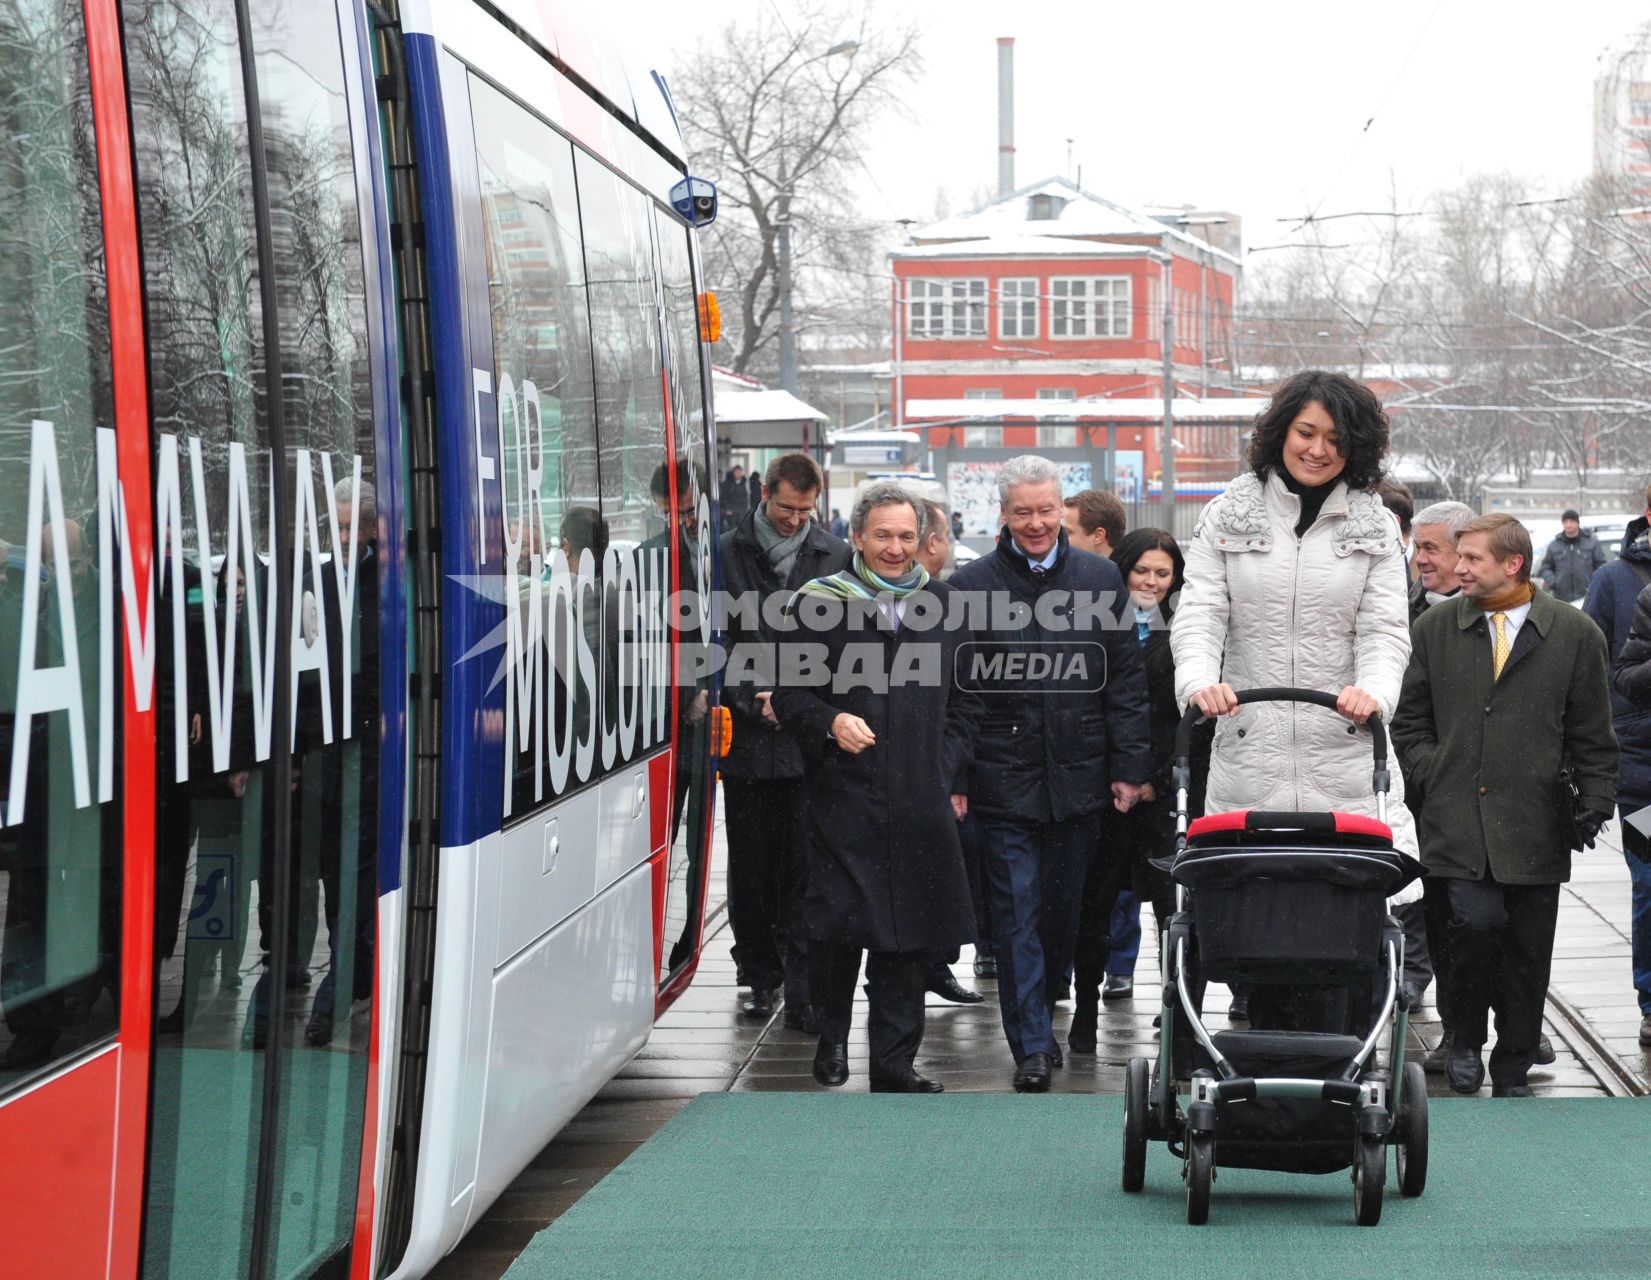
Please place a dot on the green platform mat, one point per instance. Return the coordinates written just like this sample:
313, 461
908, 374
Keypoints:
1000, 1185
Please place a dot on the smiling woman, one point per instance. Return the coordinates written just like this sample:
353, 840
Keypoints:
1295, 577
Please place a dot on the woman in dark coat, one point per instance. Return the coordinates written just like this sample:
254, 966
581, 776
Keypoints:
873, 702
1633, 674
1152, 567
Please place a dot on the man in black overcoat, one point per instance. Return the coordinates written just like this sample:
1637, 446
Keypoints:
1055, 744
766, 556
866, 688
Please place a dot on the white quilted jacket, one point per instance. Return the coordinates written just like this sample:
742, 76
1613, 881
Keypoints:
1261, 608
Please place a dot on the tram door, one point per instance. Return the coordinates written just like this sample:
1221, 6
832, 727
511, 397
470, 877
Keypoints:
267, 699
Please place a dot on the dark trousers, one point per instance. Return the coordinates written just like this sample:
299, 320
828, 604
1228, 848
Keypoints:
349, 878
1501, 949
1418, 956
970, 837
894, 982
1436, 915
1034, 875
1127, 842
1636, 851
766, 845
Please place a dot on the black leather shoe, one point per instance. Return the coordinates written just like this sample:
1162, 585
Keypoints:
1239, 1009
1056, 1059
1117, 987
911, 1082
831, 1064
1511, 1091
801, 1018
985, 966
1082, 1034
1545, 1055
1464, 1068
759, 1004
948, 988
1032, 1076
1434, 1063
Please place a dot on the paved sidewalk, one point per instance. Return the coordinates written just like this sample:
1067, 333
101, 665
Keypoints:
1592, 969
703, 1044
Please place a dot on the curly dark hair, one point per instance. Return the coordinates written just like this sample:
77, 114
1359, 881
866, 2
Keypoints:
1361, 425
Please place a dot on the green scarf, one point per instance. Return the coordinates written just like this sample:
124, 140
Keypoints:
859, 582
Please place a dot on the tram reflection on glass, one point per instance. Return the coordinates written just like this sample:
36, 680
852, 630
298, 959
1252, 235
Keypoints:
355, 767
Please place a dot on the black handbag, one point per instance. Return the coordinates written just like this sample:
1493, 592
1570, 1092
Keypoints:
1570, 800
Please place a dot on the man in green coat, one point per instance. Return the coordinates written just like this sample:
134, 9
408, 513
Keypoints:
1504, 685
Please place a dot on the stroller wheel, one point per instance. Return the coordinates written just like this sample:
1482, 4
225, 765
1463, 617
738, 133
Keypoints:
1411, 1153
1199, 1173
1369, 1173
1137, 1110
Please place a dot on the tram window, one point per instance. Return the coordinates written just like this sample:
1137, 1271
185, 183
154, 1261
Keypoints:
60, 836
636, 487
552, 495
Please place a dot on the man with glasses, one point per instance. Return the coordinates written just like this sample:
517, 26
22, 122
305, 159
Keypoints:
774, 548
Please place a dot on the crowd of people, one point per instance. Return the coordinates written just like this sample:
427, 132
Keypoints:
930, 761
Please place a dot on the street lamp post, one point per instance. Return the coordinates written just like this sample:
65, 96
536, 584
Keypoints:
788, 323
1166, 463
782, 234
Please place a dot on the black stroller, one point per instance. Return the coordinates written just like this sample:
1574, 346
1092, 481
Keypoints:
1271, 900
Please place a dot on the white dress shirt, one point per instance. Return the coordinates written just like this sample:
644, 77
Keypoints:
1513, 619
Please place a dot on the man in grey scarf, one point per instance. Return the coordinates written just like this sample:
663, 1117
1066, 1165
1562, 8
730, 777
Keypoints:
776, 547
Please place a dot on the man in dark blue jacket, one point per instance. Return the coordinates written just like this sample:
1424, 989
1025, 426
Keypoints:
1610, 603
1064, 732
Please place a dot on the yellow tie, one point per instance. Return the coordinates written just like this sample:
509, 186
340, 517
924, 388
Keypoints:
1499, 646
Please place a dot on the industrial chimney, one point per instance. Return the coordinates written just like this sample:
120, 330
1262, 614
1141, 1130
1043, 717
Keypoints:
1005, 115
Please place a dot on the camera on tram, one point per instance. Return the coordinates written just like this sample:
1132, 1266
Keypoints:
696, 200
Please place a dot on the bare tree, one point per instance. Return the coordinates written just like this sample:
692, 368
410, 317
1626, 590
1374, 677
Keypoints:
1513, 327
1594, 323
777, 112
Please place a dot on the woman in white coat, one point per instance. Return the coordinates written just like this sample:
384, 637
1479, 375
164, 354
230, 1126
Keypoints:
1295, 576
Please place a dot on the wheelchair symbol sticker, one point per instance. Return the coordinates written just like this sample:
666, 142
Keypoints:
210, 911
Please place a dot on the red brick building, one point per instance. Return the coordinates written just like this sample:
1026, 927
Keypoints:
1027, 324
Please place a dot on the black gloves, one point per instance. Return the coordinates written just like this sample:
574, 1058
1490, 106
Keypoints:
1588, 823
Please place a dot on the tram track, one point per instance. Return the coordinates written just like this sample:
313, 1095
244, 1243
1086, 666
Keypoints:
1615, 1075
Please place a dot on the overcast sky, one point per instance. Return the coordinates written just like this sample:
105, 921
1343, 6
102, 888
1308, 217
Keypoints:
1258, 108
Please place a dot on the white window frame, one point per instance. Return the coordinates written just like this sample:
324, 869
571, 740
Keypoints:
1090, 308
945, 307
980, 435
1057, 435
1012, 306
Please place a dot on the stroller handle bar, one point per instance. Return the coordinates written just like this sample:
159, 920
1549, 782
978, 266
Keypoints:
1381, 780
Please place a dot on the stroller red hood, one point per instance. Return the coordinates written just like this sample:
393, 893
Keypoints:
1312, 824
